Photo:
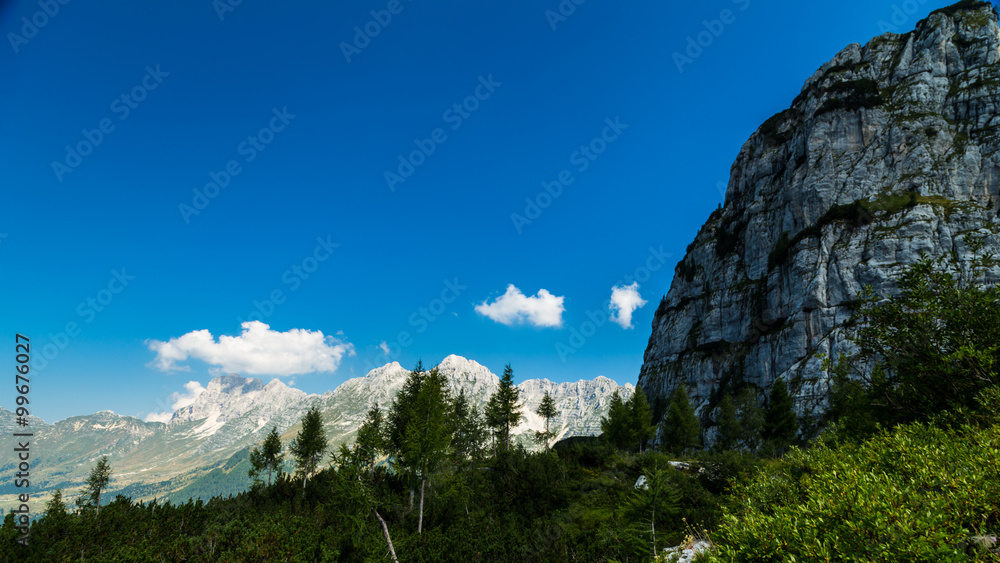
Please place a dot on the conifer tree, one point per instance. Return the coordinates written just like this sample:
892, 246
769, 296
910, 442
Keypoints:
751, 418
428, 436
641, 418
55, 508
97, 481
728, 426
370, 442
681, 429
656, 501
616, 427
267, 457
468, 429
503, 413
309, 444
547, 410
401, 409
780, 424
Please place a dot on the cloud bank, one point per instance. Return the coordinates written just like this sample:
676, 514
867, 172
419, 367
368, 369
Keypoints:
625, 299
258, 350
513, 307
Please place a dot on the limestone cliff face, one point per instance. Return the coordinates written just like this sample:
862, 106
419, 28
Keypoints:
890, 151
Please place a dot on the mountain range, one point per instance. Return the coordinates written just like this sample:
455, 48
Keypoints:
202, 450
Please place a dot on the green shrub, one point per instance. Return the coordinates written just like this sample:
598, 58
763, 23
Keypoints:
916, 493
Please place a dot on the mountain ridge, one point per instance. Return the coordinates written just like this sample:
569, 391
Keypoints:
234, 413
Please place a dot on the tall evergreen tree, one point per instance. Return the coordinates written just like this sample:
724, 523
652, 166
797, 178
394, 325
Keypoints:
309, 444
547, 410
642, 418
370, 442
728, 425
267, 457
751, 418
616, 427
681, 429
97, 481
503, 413
428, 435
401, 409
780, 424
468, 429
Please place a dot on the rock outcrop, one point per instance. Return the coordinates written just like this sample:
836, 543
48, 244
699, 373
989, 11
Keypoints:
889, 152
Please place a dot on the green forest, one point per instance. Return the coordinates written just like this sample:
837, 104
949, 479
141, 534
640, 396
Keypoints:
904, 466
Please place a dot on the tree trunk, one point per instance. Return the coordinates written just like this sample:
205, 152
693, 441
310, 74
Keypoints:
385, 532
652, 525
420, 522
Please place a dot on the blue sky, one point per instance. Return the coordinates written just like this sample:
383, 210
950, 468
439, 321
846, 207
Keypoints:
174, 168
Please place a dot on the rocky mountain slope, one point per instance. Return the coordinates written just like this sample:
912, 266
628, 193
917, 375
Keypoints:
203, 446
889, 151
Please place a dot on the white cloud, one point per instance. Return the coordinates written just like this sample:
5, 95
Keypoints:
385, 348
257, 351
178, 401
513, 307
624, 300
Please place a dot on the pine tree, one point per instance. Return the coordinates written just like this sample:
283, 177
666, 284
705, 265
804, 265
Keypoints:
268, 458
681, 429
428, 436
751, 418
547, 410
729, 429
780, 424
616, 427
642, 418
401, 409
97, 481
309, 444
55, 508
468, 429
370, 442
503, 413
656, 501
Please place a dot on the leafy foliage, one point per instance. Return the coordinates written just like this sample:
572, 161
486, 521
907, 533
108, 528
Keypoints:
916, 493
933, 348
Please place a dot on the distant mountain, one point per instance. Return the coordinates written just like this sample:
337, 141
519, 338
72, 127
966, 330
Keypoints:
202, 450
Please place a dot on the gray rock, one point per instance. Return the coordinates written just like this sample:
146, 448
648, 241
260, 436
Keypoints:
908, 124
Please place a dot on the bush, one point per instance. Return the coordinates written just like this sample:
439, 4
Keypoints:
916, 493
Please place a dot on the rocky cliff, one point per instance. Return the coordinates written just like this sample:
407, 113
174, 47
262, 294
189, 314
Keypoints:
889, 151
